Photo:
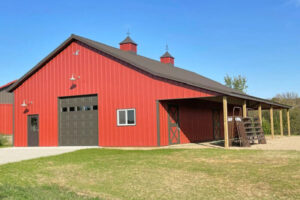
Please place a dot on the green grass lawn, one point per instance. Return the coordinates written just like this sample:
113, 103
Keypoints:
155, 174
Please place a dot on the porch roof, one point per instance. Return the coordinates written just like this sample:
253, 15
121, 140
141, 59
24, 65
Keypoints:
232, 100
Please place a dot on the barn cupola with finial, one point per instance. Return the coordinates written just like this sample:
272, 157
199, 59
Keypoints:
128, 45
167, 58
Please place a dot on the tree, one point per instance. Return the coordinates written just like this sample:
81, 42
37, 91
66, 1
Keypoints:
289, 98
236, 82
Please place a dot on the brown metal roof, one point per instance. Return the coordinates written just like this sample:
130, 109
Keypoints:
151, 66
6, 97
4, 87
167, 55
128, 40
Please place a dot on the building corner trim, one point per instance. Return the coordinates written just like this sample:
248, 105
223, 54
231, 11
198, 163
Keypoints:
158, 122
13, 128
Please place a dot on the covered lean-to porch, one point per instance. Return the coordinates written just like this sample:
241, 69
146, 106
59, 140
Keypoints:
194, 120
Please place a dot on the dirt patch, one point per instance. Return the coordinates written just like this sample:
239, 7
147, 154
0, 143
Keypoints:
278, 143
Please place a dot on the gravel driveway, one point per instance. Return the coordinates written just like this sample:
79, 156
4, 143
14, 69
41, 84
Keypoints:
15, 154
279, 143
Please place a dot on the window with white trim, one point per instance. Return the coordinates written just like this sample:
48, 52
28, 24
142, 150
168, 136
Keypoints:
126, 117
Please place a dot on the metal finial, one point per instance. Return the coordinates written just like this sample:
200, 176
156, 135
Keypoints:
167, 47
128, 33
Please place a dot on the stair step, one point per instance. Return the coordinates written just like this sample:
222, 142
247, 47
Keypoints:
250, 130
253, 132
252, 127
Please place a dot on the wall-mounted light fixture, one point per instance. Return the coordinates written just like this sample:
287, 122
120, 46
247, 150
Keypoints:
24, 104
74, 78
76, 53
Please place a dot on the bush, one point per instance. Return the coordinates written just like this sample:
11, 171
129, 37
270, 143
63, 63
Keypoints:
266, 126
295, 121
3, 140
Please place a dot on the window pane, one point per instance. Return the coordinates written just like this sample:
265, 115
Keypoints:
130, 117
34, 124
64, 109
79, 108
95, 107
72, 109
87, 108
122, 119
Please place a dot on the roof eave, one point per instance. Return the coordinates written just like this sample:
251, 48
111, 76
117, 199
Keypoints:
41, 63
78, 38
7, 85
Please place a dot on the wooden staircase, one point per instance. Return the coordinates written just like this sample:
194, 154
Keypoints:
249, 130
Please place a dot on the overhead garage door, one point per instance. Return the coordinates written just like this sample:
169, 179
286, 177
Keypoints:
78, 121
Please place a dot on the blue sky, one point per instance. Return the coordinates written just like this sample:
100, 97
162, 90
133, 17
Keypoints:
259, 39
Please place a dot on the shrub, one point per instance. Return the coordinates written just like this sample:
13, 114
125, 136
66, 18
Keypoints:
3, 140
266, 126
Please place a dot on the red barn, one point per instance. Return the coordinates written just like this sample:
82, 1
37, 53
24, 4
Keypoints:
88, 93
6, 110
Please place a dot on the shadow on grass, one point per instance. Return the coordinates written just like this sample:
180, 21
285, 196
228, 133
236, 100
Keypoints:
38, 192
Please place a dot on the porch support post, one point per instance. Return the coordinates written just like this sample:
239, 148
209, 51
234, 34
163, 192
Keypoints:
272, 122
245, 108
281, 124
288, 121
225, 114
259, 114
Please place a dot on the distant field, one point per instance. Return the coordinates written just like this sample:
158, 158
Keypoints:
155, 174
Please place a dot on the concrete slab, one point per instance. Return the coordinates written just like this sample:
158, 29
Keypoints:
15, 154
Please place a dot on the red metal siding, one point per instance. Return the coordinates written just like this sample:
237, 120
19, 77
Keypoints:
195, 123
6, 119
167, 60
128, 47
117, 85
195, 120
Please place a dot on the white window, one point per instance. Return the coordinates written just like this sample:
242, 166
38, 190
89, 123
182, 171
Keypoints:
126, 117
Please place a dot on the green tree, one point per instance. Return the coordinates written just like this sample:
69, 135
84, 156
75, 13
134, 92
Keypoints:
236, 82
288, 98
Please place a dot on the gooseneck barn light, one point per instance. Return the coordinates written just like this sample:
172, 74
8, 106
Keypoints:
73, 78
24, 104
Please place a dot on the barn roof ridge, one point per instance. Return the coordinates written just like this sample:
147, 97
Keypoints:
151, 66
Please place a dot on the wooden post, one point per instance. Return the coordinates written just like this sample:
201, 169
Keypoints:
288, 122
272, 122
260, 114
225, 114
281, 124
245, 108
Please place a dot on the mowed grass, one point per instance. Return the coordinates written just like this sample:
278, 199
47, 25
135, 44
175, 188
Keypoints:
155, 174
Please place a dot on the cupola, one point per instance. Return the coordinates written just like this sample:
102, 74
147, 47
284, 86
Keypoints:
167, 58
128, 45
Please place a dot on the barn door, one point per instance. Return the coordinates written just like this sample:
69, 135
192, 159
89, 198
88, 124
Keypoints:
33, 130
216, 124
78, 120
173, 124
